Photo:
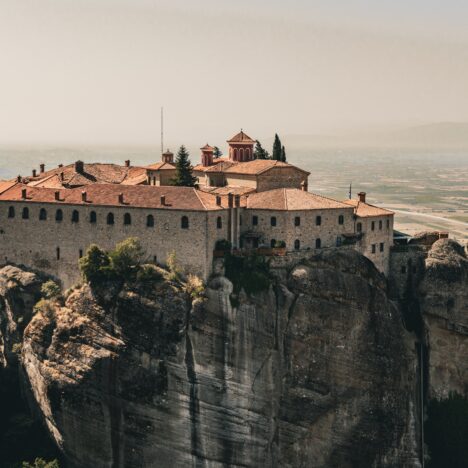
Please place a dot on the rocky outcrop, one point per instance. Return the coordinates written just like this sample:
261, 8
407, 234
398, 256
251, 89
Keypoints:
443, 298
317, 371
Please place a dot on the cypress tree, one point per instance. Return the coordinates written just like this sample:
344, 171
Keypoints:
260, 152
217, 153
183, 176
276, 148
283, 154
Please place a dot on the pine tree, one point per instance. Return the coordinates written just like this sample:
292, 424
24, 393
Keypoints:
260, 152
283, 154
217, 153
276, 148
183, 176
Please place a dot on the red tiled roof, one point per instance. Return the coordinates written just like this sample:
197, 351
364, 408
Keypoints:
364, 210
224, 191
219, 165
291, 199
6, 184
258, 166
207, 147
138, 196
53, 181
241, 137
161, 166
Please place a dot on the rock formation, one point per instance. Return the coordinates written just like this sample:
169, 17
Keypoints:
316, 371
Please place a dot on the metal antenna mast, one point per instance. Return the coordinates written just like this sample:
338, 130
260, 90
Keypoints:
162, 130
350, 190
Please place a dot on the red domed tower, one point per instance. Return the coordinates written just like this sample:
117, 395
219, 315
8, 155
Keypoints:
241, 147
168, 157
207, 155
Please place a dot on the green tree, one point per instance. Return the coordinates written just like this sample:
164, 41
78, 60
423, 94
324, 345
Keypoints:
283, 154
217, 153
95, 265
51, 290
260, 152
276, 154
126, 258
41, 463
183, 176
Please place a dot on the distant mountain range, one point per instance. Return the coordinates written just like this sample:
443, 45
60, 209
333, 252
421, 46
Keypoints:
448, 135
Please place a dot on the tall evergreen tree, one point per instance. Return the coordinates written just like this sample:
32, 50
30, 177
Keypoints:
260, 152
276, 148
183, 176
283, 154
217, 153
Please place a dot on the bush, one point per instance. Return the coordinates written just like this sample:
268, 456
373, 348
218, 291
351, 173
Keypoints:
40, 463
148, 275
251, 273
279, 244
51, 290
223, 244
95, 265
194, 286
446, 432
126, 258
173, 267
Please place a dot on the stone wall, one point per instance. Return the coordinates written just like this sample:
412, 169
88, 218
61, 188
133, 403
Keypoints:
34, 243
281, 177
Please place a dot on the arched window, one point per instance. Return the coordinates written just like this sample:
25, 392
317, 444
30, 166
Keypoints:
297, 244
150, 221
184, 222
127, 219
272, 243
11, 212
59, 215
241, 154
318, 220
25, 214
110, 218
42, 214
75, 216
219, 222
318, 244
341, 219
93, 217
359, 227
235, 154
273, 220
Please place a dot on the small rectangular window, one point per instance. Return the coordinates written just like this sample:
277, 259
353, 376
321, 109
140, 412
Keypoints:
318, 220
373, 226
58, 253
380, 224
273, 221
388, 224
374, 248
382, 247
254, 220
81, 253
297, 221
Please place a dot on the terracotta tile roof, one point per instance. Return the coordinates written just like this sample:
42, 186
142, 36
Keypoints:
241, 137
291, 199
224, 191
258, 166
53, 181
6, 184
364, 210
207, 147
137, 196
219, 165
161, 166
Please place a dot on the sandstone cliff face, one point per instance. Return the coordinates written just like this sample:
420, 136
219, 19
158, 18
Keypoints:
315, 372
443, 297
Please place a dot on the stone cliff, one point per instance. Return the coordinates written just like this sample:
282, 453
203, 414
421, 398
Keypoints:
316, 371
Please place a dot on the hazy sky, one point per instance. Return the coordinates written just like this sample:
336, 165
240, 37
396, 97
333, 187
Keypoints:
98, 71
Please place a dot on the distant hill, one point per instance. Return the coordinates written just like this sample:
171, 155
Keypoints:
444, 135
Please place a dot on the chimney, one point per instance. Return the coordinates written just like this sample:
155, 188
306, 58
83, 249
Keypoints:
60, 165
83, 196
304, 186
19, 179
34, 172
127, 163
62, 176
230, 200
42, 168
362, 197
57, 195
121, 198
79, 167
163, 200
24, 194
218, 200
237, 199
